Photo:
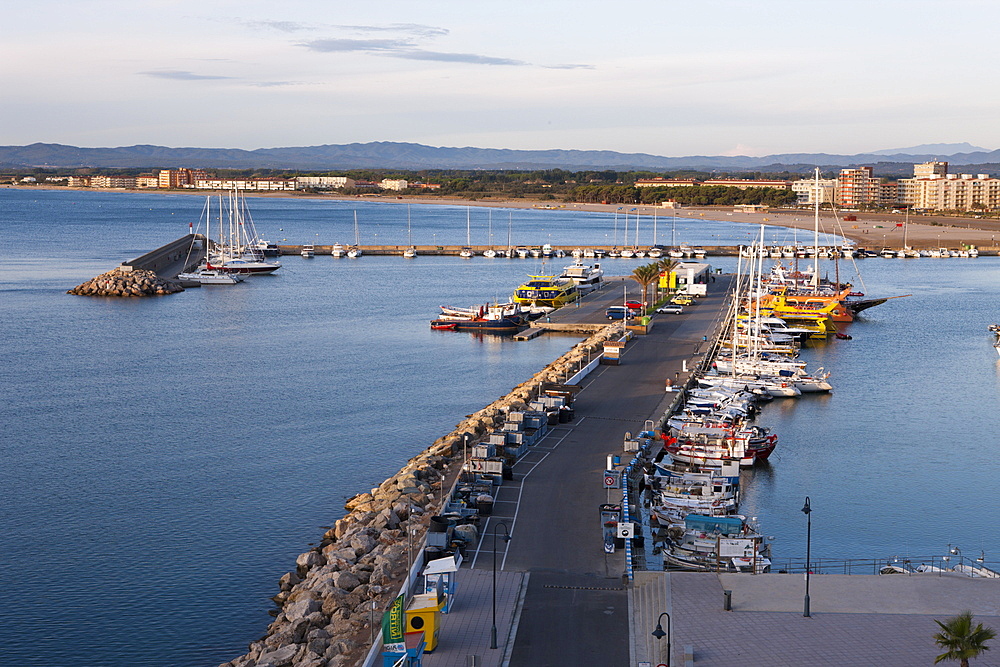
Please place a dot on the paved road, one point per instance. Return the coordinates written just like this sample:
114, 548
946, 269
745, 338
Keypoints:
576, 609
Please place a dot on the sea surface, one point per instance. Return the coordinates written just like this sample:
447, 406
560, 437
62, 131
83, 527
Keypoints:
165, 460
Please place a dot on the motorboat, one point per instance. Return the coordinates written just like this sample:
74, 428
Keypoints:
500, 317
308, 251
586, 277
338, 250
210, 277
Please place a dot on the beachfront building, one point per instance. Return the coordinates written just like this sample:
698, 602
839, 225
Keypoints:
147, 181
78, 182
665, 182
259, 184
324, 182
112, 181
807, 191
952, 192
856, 187
179, 178
396, 184
744, 184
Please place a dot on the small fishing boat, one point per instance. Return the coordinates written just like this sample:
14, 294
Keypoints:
716, 544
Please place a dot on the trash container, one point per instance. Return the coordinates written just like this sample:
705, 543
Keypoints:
645, 320
424, 615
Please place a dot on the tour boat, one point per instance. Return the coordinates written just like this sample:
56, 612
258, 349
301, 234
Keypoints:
546, 291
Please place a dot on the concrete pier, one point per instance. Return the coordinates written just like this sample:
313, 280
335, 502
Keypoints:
175, 257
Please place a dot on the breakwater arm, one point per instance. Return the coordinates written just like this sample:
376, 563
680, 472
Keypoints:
329, 602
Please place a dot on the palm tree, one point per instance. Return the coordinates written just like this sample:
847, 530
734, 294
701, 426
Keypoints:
666, 265
645, 275
961, 640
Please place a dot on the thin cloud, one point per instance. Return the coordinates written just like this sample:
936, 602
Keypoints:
415, 29
472, 58
398, 48
182, 75
280, 26
275, 84
569, 66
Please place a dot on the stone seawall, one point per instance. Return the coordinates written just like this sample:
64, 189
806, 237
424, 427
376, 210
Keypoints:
124, 281
326, 606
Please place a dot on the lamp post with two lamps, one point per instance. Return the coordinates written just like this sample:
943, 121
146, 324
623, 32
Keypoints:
807, 510
506, 538
660, 634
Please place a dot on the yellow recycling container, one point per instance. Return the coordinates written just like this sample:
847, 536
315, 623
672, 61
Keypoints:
424, 615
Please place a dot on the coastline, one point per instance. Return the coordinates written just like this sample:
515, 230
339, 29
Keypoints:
871, 230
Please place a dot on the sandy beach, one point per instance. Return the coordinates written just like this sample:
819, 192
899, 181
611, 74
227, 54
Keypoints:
869, 230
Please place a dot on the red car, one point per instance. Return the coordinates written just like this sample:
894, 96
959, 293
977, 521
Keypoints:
634, 305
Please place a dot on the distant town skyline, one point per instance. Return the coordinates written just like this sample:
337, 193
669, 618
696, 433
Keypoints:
718, 77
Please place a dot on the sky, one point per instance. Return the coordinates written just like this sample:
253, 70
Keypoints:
666, 77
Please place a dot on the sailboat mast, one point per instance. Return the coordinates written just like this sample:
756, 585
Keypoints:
815, 279
409, 232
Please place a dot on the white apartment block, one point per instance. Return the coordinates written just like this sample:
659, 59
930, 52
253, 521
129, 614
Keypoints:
951, 192
807, 190
393, 184
260, 184
324, 182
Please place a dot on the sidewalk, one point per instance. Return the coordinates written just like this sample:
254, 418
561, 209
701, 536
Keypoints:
466, 630
855, 619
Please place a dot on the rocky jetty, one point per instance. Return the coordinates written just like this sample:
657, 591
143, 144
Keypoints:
328, 603
122, 281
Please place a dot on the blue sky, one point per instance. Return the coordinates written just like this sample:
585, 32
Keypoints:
692, 77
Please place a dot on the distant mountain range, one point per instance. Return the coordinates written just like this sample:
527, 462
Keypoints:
393, 155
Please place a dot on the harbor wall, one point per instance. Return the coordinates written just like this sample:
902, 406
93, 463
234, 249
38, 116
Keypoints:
173, 258
330, 606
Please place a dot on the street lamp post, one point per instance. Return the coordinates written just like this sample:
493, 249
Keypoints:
807, 510
506, 538
660, 634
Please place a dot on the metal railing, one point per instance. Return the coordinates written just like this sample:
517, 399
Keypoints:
895, 565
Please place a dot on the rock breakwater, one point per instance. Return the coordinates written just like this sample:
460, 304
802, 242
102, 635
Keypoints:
330, 606
121, 282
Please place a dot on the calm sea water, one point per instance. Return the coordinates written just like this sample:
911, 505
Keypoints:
165, 460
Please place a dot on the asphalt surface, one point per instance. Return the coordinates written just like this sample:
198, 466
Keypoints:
575, 610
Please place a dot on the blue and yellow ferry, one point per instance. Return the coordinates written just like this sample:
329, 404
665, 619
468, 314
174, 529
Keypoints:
548, 291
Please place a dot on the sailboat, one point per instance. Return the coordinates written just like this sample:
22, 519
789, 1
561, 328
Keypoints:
411, 250
466, 251
626, 251
355, 250
490, 252
237, 249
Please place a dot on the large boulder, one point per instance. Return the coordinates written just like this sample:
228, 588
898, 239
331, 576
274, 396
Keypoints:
279, 657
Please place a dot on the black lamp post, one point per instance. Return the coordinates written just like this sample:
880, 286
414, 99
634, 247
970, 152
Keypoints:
506, 538
660, 634
807, 510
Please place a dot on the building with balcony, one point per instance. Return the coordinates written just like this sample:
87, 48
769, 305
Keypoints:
808, 191
324, 182
665, 182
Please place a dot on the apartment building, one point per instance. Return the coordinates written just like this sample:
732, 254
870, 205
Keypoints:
665, 182
324, 182
393, 184
807, 191
259, 184
744, 184
112, 181
179, 178
856, 187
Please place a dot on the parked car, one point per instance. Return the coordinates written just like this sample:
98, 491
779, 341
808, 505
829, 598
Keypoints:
634, 305
620, 313
682, 300
673, 308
